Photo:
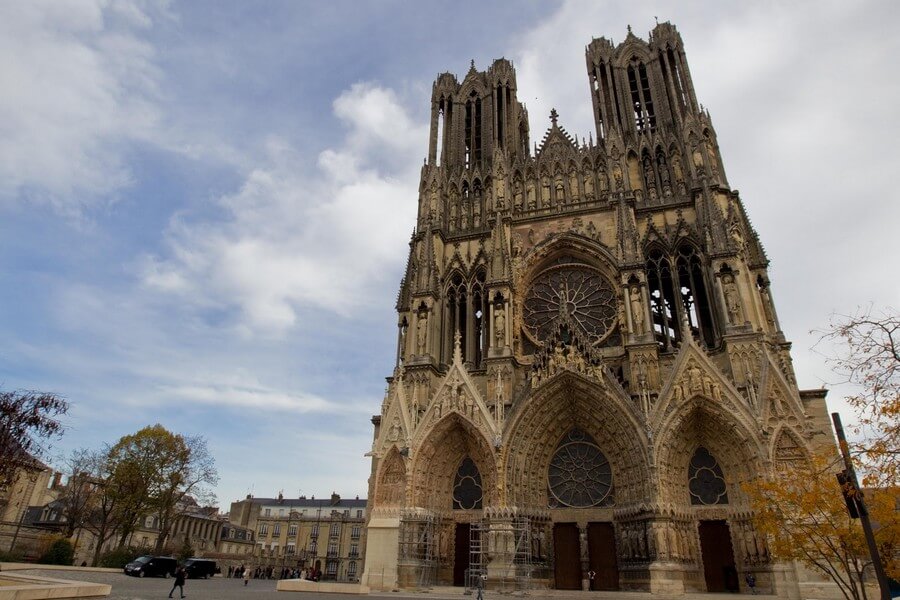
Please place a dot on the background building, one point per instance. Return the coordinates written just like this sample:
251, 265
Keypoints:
589, 359
306, 532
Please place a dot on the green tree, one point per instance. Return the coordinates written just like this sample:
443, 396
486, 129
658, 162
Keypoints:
60, 552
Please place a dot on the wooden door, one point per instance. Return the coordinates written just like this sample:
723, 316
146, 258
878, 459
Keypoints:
566, 556
461, 554
718, 557
602, 550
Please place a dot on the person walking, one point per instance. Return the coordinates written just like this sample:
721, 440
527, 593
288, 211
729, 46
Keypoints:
179, 581
247, 574
750, 578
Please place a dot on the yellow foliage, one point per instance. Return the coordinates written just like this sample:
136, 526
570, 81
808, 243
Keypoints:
802, 512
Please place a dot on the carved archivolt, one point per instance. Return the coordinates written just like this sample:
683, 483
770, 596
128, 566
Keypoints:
436, 461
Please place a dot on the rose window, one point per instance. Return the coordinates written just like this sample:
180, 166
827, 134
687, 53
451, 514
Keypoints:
579, 474
584, 293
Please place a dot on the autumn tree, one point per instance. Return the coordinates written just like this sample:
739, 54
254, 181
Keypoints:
801, 510
28, 420
154, 471
77, 497
866, 356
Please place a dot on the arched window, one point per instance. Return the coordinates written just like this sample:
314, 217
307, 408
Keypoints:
705, 480
676, 293
641, 100
662, 300
456, 315
479, 315
467, 491
695, 300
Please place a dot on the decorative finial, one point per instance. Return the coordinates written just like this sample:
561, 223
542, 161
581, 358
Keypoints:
457, 347
685, 327
553, 116
629, 29
472, 64
655, 18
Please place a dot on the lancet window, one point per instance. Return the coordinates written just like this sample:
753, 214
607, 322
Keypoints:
467, 310
678, 293
641, 100
706, 482
473, 129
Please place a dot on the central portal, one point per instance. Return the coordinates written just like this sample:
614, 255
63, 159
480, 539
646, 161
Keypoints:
567, 556
461, 554
718, 557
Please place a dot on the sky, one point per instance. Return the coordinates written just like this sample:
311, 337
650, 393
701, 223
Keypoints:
205, 206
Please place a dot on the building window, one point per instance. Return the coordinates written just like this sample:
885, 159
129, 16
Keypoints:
292, 530
354, 533
351, 569
148, 522
313, 546
263, 528
354, 550
359, 514
335, 529
280, 512
331, 569
467, 492
290, 549
276, 529
145, 541
347, 513
268, 512
332, 549
315, 530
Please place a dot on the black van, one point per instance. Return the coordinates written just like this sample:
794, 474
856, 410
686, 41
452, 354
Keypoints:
197, 568
152, 566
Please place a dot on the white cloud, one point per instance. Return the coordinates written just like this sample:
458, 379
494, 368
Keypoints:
293, 237
78, 84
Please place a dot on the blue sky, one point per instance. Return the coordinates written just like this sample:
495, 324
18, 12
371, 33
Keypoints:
204, 206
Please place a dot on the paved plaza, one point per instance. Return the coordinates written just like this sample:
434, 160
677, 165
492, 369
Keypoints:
219, 588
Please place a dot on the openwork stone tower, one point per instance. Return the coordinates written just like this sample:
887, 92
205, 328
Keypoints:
589, 359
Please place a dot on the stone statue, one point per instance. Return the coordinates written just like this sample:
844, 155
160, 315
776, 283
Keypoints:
637, 311
532, 200
604, 183
617, 175
545, 191
501, 195
395, 431
500, 327
422, 332
695, 379
454, 216
517, 196
573, 185
732, 299
560, 190
588, 185
698, 160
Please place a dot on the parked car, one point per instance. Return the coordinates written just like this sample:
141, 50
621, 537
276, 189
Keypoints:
152, 566
199, 567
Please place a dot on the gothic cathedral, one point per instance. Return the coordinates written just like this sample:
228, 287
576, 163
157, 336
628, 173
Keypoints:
589, 360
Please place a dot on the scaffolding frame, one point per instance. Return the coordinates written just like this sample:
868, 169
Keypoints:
518, 557
418, 544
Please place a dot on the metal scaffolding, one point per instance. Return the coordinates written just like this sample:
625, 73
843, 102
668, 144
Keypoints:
418, 545
514, 552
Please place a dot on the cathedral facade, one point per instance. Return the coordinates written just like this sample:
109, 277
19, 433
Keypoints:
589, 360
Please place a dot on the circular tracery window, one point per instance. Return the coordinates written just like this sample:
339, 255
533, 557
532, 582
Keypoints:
589, 299
579, 474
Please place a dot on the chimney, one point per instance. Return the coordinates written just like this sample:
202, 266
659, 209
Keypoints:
335, 498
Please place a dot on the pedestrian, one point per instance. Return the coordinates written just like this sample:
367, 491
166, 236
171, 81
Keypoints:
247, 574
751, 582
480, 585
179, 581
